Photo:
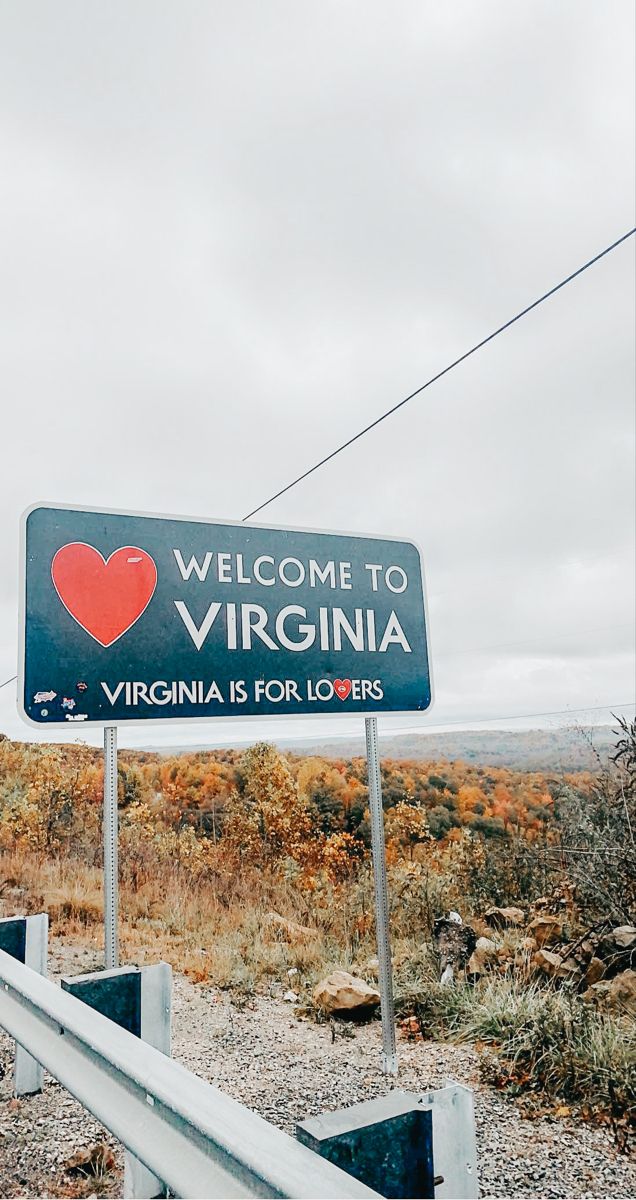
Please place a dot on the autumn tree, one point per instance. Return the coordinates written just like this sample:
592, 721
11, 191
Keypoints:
439, 821
322, 786
266, 820
407, 826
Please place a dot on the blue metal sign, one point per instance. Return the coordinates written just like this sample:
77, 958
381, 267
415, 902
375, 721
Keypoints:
130, 617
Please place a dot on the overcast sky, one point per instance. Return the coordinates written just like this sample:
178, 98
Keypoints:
233, 233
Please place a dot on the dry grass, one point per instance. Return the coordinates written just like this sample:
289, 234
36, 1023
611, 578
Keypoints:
541, 1039
169, 916
215, 929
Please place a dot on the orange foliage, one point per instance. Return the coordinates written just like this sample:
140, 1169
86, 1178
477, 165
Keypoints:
290, 813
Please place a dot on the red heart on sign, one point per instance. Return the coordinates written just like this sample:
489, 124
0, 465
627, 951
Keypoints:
342, 687
105, 596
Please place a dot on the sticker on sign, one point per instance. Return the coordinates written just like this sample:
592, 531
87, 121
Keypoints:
168, 618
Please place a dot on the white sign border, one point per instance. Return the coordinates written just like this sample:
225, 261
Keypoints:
283, 715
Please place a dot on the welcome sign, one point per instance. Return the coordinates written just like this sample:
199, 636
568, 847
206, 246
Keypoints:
129, 617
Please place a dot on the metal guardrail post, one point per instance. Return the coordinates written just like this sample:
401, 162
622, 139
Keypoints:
30, 946
416, 1144
454, 1142
156, 1022
138, 999
199, 1141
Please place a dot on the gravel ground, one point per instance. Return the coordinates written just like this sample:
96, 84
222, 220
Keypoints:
287, 1070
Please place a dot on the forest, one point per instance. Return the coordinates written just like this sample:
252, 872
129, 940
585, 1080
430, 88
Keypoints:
46, 791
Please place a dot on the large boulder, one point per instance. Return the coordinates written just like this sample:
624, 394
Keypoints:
505, 918
555, 965
342, 992
618, 993
281, 929
546, 930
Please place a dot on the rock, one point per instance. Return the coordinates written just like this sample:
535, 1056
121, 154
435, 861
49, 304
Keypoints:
284, 930
342, 992
582, 951
618, 993
503, 918
483, 956
622, 992
617, 948
546, 930
94, 1162
569, 969
595, 971
555, 965
291, 997
625, 937
486, 947
411, 1030
546, 961
455, 943
597, 992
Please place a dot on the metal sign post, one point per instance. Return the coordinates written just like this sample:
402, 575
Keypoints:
111, 880
389, 1051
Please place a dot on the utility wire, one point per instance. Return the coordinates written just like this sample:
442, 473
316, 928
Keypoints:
558, 712
434, 378
524, 311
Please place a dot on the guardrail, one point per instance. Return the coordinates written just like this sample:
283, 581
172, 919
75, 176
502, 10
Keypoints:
196, 1139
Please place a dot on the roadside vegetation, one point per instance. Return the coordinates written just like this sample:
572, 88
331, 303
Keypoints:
248, 870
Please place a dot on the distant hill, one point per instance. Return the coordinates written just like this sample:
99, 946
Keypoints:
564, 749
556, 750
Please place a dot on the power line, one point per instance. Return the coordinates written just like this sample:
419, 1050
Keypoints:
383, 417
434, 378
558, 712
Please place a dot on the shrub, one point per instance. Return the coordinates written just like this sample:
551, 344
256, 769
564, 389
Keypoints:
544, 1038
